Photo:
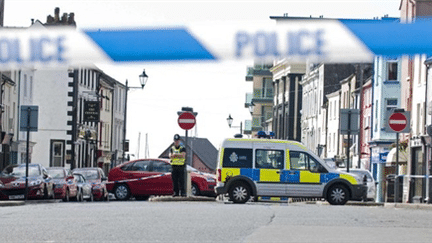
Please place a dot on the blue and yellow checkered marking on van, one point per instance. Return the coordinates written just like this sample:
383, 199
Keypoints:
285, 176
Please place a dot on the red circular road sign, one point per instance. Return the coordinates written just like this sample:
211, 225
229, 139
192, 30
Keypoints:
186, 120
397, 122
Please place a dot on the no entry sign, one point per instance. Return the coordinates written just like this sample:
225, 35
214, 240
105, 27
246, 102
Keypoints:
186, 120
398, 122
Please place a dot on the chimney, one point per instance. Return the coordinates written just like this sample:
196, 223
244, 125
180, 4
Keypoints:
64, 18
1, 12
57, 15
71, 20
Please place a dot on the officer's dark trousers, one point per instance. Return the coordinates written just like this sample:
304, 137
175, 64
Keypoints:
177, 176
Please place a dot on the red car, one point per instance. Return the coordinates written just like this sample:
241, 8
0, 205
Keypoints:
64, 183
96, 177
12, 182
143, 178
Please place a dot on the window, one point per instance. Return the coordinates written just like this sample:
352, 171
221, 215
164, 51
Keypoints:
31, 87
127, 167
237, 158
269, 159
391, 104
57, 153
303, 161
159, 166
107, 102
25, 85
392, 70
335, 110
141, 166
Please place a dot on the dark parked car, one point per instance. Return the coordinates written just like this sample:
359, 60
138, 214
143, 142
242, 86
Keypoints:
12, 182
96, 177
126, 180
84, 188
64, 184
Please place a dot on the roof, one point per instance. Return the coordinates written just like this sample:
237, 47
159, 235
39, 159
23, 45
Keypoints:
202, 148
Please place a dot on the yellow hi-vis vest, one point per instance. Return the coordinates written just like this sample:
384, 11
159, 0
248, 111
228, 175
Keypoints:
177, 161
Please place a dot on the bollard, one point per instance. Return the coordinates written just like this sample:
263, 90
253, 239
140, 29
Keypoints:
188, 184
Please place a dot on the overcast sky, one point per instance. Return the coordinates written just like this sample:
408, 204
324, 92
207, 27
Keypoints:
213, 89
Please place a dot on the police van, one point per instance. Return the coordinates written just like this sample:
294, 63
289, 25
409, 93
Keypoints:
280, 168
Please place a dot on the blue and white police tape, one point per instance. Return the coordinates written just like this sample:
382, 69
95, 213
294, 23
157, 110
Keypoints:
294, 40
138, 179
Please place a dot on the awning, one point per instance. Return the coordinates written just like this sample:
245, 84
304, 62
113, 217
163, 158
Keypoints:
391, 157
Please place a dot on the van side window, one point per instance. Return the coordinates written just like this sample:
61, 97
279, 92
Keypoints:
237, 158
303, 161
269, 159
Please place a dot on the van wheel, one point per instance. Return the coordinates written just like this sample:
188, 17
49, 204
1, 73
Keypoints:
239, 193
337, 195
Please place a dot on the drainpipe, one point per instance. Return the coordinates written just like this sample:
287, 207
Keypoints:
427, 151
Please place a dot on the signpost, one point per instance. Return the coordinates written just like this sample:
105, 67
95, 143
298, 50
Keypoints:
348, 124
398, 120
91, 111
186, 120
29, 123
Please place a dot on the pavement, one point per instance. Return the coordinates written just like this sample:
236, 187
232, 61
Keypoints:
421, 206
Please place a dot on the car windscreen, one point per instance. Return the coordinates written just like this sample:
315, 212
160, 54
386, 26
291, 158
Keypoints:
56, 173
89, 174
21, 171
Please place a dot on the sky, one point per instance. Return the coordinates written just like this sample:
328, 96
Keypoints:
213, 89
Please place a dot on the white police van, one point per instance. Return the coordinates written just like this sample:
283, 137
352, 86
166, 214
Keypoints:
280, 168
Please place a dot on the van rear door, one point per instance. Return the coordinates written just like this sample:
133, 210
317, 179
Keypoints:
270, 162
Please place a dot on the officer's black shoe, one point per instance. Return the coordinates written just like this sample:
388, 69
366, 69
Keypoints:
183, 195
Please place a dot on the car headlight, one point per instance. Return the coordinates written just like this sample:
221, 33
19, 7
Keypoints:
209, 179
35, 183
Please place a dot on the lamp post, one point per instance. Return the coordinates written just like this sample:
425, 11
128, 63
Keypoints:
230, 121
143, 80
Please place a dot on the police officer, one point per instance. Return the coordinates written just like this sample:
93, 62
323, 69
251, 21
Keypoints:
178, 157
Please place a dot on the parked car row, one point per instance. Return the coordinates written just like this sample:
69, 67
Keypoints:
139, 179
53, 182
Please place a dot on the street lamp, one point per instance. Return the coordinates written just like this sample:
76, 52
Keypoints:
143, 77
230, 121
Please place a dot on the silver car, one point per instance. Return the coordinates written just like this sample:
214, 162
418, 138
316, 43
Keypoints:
371, 192
84, 188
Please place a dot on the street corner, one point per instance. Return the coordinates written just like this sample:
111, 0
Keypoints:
11, 203
182, 199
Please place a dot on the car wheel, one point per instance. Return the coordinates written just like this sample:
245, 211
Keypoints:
122, 192
195, 190
91, 199
80, 197
45, 196
239, 193
337, 195
142, 198
52, 193
106, 197
66, 198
